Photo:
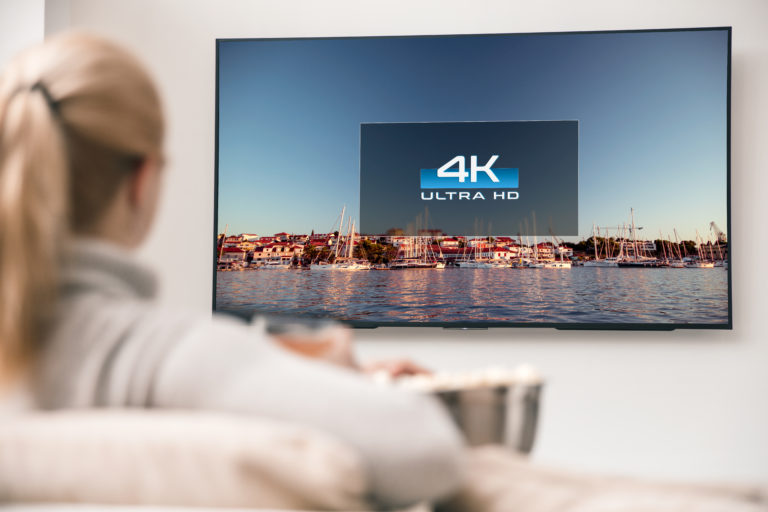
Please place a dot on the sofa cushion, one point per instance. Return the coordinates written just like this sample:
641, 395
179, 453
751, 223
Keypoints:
502, 481
175, 459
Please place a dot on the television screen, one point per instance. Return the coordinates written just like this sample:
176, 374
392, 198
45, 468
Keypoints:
570, 180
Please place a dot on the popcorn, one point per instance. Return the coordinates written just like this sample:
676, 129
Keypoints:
492, 376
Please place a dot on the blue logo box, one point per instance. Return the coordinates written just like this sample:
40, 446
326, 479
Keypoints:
438, 178
508, 178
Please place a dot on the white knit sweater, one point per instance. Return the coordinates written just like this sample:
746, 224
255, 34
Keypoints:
113, 346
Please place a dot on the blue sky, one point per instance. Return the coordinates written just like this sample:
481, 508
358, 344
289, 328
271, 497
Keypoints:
651, 108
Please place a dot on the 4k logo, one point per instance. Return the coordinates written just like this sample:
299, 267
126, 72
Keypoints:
480, 176
462, 174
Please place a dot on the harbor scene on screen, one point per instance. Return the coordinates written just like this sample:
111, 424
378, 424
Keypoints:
559, 179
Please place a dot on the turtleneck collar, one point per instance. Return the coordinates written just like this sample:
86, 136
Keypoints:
91, 264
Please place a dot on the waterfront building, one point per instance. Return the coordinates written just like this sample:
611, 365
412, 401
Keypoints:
276, 251
247, 245
320, 236
260, 255
319, 242
718, 251
232, 254
545, 251
496, 253
232, 241
450, 254
481, 243
283, 248
450, 242
400, 241
503, 241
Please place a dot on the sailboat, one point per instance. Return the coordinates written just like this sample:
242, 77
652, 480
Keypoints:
701, 262
440, 259
550, 264
344, 251
608, 261
675, 257
637, 260
413, 256
480, 262
556, 247
522, 260
327, 265
561, 263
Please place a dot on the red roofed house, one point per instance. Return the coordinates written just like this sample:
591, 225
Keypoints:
498, 253
232, 241
247, 245
478, 242
231, 254
546, 251
450, 242
319, 242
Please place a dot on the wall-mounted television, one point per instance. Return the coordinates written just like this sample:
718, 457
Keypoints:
568, 180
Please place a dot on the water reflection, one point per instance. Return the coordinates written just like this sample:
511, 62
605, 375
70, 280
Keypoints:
581, 294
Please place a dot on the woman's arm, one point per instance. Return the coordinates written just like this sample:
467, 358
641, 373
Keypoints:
410, 447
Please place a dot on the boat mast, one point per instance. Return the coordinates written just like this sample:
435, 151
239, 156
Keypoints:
223, 239
698, 245
634, 234
717, 241
341, 227
622, 240
680, 253
594, 239
351, 238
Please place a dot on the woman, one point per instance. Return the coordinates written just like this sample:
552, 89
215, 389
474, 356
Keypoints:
81, 135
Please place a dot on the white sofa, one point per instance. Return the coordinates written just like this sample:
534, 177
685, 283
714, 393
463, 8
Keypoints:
125, 461
184, 459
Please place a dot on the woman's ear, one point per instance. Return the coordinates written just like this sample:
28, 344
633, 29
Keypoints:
143, 184
143, 196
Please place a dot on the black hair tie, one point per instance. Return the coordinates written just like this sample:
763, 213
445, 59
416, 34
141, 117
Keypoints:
52, 104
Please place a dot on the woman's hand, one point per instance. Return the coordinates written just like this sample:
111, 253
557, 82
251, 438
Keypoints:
396, 368
332, 344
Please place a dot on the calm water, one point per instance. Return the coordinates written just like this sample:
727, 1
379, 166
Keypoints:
581, 294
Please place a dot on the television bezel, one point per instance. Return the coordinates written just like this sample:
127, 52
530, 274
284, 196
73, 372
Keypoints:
481, 324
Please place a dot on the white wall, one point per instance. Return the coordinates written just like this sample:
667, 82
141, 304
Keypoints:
21, 24
688, 405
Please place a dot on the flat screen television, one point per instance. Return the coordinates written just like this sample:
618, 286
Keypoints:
568, 180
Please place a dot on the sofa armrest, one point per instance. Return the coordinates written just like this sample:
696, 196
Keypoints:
175, 459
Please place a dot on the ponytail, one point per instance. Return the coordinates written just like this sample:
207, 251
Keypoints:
73, 111
33, 213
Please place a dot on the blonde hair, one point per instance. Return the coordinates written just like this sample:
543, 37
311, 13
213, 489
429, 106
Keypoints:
77, 114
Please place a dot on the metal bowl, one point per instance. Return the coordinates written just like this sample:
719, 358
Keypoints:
506, 415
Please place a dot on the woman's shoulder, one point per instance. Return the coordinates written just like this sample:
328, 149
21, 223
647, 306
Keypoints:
104, 350
109, 331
